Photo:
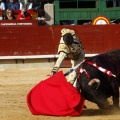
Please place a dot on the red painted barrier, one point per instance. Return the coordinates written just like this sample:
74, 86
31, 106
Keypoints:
31, 39
0, 12
18, 23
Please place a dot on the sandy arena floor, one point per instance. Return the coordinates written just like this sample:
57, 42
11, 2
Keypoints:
16, 83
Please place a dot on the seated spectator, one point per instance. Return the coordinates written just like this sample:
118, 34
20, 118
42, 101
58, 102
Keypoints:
26, 4
9, 15
116, 3
2, 5
24, 15
12, 4
42, 21
67, 22
38, 5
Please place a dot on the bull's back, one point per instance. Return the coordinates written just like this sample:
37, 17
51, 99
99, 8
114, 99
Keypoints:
114, 57
109, 61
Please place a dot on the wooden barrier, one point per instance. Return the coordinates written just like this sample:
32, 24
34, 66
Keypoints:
18, 23
26, 38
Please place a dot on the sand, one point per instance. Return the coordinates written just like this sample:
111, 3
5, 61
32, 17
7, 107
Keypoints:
15, 85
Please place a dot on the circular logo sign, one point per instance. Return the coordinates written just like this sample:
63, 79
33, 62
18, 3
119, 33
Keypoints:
101, 20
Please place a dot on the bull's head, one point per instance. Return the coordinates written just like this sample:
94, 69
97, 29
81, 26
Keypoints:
92, 93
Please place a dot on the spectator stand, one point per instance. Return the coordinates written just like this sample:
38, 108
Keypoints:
32, 12
16, 12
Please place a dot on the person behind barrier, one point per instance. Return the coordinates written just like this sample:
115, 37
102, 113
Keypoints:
2, 5
70, 46
38, 7
42, 21
24, 15
12, 4
116, 3
9, 15
26, 4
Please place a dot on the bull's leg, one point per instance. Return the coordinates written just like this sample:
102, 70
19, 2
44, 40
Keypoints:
116, 99
115, 95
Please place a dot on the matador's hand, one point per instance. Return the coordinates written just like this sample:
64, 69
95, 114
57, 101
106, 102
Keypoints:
52, 73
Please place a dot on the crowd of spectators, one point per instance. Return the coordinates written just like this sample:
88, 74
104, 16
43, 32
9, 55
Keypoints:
9, 6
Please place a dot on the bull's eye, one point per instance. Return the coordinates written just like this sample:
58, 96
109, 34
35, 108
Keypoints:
96, 92
94, 86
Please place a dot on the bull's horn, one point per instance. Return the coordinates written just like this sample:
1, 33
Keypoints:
95, 80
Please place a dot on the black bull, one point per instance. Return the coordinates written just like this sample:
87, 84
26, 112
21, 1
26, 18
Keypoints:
96, 85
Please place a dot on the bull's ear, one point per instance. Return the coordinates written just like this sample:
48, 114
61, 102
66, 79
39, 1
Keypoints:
95, 80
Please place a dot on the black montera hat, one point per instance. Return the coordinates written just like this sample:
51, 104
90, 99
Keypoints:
68, 38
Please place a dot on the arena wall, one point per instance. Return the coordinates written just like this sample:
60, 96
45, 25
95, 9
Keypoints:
26, 41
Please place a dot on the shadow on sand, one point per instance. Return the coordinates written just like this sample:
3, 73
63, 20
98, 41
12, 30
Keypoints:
94, 112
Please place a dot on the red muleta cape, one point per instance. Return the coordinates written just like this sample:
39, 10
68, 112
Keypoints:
55, 96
